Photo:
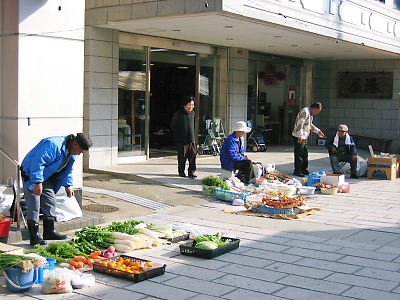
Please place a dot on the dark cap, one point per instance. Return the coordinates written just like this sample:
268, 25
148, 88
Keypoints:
84, 142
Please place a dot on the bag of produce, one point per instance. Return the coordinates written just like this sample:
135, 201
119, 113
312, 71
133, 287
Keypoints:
57, 281
81, 280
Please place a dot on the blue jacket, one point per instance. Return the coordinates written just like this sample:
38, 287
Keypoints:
230, 152
45, 159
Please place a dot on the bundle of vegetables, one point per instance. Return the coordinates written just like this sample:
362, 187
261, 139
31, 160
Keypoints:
210, 242
62, 252
127, 227
26, 263
215, 181
93, 238
278, 202
325, 185
78, 262
166, 231
145, 238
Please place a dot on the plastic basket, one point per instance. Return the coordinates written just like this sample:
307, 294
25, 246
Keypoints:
5, 226
307, 190
180, 238
229, 196
48, 265
276, 211
126, 275
190, 250
326, 191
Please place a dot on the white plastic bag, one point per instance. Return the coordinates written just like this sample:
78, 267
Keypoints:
67, 208
258, 169
57, 281
80, 280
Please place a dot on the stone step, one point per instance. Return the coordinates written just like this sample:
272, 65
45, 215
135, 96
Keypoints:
88, 219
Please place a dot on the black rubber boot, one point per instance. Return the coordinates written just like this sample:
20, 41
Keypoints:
34, 236
49, 232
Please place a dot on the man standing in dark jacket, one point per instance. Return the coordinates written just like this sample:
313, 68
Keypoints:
341, 148
182, 126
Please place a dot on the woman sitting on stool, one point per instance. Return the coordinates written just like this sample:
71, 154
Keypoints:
233, 153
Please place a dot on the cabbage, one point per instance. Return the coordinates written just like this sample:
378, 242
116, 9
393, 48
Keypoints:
206, 245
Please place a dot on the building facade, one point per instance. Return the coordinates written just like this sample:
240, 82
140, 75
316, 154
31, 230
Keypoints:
42, 68
118, 69
258, 60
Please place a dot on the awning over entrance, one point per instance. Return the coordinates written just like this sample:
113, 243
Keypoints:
234, 31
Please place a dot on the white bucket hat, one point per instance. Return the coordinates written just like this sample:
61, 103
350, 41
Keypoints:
241, 126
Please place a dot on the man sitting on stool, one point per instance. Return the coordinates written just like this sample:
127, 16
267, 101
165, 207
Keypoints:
341, 148
233, 153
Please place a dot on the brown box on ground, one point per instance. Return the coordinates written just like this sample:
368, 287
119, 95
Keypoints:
383, 168
10, 249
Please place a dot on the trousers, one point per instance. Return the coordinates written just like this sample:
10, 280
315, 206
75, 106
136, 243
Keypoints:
186, 152
300, 156
335, 158
245, 168
46, 202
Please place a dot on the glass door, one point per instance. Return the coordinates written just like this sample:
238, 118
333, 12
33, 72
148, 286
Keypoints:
173, 79
132, 101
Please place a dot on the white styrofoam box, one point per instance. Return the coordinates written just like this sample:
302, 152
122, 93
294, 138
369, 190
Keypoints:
333, 179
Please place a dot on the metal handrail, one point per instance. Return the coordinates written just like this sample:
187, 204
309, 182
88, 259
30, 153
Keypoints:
17, 206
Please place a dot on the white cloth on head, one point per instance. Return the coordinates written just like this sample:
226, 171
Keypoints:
348, 140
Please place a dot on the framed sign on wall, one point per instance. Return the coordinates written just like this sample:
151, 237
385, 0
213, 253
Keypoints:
367, 85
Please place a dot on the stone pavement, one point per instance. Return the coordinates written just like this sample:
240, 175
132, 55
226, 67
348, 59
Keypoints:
164, 170
350, 250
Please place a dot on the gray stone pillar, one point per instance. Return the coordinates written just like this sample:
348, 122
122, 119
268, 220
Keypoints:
101, 95
238, 81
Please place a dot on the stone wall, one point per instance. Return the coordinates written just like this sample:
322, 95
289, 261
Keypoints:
369, 117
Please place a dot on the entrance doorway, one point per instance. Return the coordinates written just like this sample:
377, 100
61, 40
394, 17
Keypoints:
155, 75
173, 78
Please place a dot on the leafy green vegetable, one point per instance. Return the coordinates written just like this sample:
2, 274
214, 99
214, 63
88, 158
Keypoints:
62, 252
164, 229
18, 261
127, 227
207, 245
215, 181
216, 238
213, 238
223, 243
93, 237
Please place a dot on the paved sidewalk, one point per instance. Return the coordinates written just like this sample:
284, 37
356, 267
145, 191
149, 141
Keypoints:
350, 250
270, 264
164, 170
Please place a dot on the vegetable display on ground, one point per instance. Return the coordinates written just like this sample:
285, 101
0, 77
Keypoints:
215, 181
210, 241
26, 263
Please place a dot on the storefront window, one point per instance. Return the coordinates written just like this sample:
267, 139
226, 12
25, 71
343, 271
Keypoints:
131, 101
273, 95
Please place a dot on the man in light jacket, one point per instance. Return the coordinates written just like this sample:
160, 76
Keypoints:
44, 170
341, 148
302, 129
233, 153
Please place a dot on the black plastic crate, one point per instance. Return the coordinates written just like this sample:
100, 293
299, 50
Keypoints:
126, 275
180, 238
189, 249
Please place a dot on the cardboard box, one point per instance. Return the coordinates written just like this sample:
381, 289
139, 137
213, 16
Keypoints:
383, 168
10, 249
333, 179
